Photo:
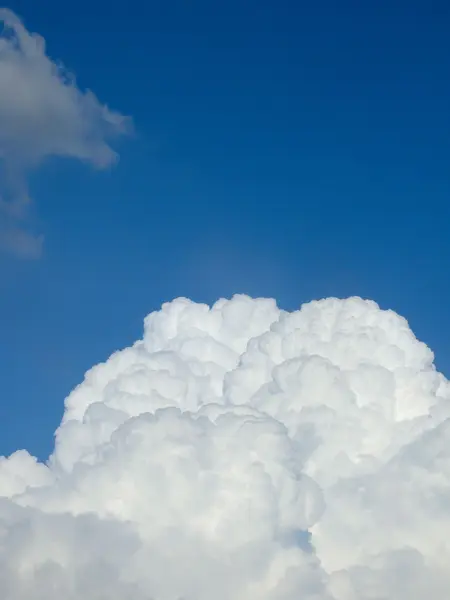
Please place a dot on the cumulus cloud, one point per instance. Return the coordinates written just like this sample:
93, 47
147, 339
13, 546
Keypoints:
241, 452
42, 114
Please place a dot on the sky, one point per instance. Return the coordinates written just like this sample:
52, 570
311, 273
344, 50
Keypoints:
289, 150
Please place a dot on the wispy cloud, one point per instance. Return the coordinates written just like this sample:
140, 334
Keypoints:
43, 113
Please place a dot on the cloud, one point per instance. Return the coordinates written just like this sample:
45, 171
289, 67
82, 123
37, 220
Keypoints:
241, 452
42, 114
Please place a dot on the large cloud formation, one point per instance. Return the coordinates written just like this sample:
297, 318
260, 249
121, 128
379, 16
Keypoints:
241, 452
42, 114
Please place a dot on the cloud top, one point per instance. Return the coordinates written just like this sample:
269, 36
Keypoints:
42, 114
242, 452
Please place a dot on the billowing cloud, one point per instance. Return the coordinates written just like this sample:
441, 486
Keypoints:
42, 114
241, 452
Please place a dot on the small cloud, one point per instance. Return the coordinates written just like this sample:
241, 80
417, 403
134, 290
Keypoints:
42, 114
21, 243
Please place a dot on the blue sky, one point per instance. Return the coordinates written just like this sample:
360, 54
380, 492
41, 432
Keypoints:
285, 149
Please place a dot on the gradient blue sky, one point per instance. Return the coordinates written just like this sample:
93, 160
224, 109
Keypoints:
286, 149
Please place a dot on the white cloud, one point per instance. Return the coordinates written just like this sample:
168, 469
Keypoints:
240, 452
42, 114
